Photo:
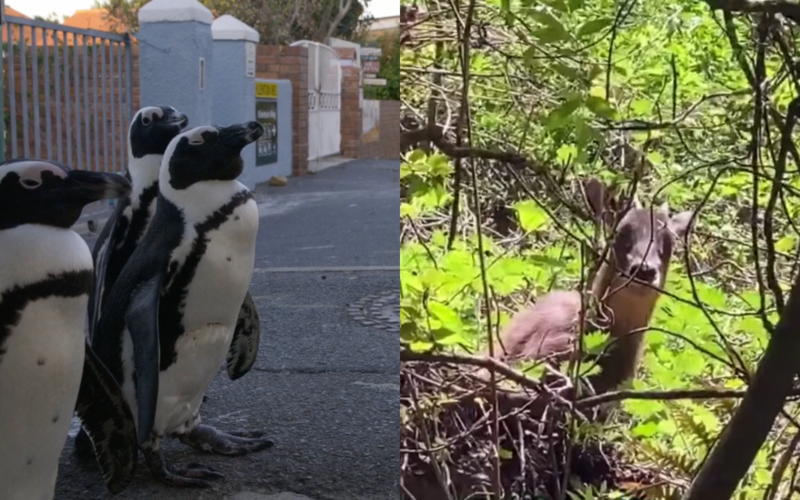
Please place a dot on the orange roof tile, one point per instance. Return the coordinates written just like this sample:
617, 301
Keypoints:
94, 19
15, 13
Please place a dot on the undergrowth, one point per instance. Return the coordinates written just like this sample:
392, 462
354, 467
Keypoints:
656, 96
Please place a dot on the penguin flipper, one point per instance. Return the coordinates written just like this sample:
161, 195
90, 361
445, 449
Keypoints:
244, 346
109, 422
142, 324
106, 241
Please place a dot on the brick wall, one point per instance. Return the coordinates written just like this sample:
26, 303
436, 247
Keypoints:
351, 114
354, 144
387, 147
290, 63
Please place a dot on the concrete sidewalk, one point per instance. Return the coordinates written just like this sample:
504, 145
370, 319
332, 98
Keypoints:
325, 386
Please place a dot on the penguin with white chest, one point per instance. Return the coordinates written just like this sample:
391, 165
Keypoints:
173, 310
149, 134
47, 369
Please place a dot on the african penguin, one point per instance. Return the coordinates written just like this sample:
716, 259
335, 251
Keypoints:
151, 130
173, 310
149, 134
47, 370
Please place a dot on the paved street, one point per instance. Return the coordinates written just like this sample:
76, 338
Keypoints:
325, 386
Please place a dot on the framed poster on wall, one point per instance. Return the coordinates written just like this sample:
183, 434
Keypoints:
267, 116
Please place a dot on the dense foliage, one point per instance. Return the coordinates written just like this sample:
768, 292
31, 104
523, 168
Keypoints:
656, 96
277, 21
390, 70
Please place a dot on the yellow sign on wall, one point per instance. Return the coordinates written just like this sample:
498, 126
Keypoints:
266, 90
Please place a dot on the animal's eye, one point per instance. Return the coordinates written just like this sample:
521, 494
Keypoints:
146, 120
196, 141
30, 183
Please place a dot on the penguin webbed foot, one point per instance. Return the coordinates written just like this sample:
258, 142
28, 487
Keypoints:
206, 438
190, 474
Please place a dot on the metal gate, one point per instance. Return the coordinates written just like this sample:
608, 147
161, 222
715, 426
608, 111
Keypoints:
67, 97
324, 100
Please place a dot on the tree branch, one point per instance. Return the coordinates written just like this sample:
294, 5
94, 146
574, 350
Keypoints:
788, 9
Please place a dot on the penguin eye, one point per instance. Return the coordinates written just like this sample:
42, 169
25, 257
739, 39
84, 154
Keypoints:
196, 141
146, 120
30, 183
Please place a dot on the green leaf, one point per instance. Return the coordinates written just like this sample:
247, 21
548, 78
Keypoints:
439, 165
409, 210
550, 35
641, 106
642, 408
447, 337
558, 5
646, 430
566, 71
529, 57
558, 117
505, 454
593, 26
567, 153
408, 331
575, 4
448, 318
601, 107
786, 244
416, 155
549, 20
531, 216
655, 158
593, 343
421, 346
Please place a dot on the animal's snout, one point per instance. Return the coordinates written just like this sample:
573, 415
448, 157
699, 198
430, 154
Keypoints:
644, 272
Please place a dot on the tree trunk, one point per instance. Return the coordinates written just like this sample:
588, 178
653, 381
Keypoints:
740, 441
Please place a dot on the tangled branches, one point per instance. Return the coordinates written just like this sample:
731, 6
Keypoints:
447, 452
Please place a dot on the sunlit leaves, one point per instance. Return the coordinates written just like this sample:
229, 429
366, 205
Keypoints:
553, 29
531, 216
593, 26
559, 116
601, 107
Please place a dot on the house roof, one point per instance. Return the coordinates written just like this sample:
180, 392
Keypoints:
15, 13
93, 19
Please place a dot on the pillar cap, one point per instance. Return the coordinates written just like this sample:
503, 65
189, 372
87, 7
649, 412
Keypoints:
157, 11
228, 27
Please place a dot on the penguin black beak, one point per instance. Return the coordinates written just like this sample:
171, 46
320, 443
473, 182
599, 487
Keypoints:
178, 119
87, 187
240, 135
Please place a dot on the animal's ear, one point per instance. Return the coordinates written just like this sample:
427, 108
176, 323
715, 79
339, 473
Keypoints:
600, 200
680, 222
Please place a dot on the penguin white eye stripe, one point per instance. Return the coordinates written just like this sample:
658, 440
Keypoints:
32, 170
150, 113
195, 136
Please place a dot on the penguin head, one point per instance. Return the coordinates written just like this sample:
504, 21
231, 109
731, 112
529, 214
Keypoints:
209, 153
47, 193
152, 128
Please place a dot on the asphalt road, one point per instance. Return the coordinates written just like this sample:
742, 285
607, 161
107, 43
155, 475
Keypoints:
325, 386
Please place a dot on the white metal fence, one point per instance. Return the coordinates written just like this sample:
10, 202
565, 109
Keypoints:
68, 96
